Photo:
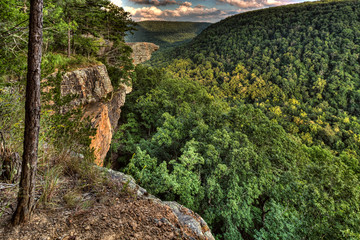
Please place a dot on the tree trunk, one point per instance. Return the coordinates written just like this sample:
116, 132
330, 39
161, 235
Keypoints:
69, 39
32, 116
261, 201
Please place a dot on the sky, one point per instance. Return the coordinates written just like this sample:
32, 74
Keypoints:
193, 10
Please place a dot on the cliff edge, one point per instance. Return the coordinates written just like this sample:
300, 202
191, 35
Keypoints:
120, 209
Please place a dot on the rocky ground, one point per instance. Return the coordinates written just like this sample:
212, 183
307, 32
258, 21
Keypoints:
123, 210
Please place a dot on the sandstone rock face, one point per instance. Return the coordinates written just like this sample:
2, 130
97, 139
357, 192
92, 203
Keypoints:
93, 90
142, 51
99, 115
90, 84
191, 224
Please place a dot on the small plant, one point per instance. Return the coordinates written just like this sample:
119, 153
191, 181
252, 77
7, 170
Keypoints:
72, 198
50, 183
75, 199
125, 186
3, 208
9, 162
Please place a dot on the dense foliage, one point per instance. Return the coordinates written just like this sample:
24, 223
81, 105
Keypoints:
233, 165
76, 27
254, 124
298, 63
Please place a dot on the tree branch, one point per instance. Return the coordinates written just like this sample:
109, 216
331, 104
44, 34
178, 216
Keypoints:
2, 35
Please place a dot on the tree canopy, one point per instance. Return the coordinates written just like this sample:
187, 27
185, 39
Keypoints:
254, 124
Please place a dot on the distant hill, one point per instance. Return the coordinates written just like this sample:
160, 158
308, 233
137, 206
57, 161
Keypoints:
166, 33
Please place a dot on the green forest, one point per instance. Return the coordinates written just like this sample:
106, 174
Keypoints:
254, 124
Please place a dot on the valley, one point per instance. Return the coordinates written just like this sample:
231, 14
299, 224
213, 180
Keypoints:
251, 122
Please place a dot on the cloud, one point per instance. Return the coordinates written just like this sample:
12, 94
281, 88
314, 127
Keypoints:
183, 12
155, 2
161, 2
187, 4
253, 4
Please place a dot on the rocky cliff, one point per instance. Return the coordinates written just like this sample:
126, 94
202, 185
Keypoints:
118, 208
142, 51
94, 91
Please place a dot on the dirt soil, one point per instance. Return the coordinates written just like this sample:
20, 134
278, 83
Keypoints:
108, 215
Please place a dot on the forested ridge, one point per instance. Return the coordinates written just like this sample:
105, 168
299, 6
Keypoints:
254, 124
166, 33
299, 64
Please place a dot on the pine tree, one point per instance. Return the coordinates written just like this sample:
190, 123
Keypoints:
32, 116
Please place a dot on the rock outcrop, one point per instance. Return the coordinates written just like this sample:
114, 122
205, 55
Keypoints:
93, 90
142, 51
192, 225
90, 85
